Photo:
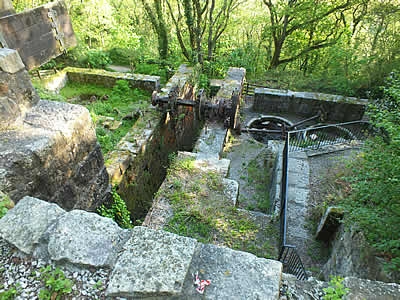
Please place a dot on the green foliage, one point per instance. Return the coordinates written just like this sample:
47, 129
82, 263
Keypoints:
56, 284
117, 211
121, 100
5, 204
97, 59
336, 290
374, 204
9, 294
122, 56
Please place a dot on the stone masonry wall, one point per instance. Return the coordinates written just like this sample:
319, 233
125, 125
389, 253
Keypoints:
50, 150
335, 108
33, 35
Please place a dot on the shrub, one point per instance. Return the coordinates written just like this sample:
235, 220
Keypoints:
374, 204
336, 290
97, 59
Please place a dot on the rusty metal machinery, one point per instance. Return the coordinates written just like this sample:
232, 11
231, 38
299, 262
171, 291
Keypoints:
225, 110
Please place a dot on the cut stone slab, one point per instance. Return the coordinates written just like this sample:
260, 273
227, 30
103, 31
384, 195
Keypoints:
84, 238
364, 289
211, 141
329, 223
24, 225
209, 164
233, 275
154, 263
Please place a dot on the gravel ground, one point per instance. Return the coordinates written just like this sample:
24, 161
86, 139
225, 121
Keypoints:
24, 273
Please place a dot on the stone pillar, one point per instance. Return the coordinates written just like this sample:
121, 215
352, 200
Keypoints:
6, 8
17, 94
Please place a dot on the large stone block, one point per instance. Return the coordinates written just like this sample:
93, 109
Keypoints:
154, 263
10, 61
233, 275
25, 224
85, 238
54, 156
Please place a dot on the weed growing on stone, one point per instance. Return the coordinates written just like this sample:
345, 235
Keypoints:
56, 284
336, 290
5, 204
117, 211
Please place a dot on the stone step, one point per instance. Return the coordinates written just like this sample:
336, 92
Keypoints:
207, 164
160, 264
153, 263
233, 275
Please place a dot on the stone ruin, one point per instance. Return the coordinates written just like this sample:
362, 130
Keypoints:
47, 149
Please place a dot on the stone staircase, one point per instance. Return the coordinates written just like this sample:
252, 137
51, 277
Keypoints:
145, 263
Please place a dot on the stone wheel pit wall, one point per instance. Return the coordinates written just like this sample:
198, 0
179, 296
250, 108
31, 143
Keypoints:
138, 164
334, 108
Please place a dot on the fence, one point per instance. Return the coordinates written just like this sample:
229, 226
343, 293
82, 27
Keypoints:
312, 138
288, 255
315, 137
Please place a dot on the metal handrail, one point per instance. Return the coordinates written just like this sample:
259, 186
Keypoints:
313, 138
288, 255
296, 140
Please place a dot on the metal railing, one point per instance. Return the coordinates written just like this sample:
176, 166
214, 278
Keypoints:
248, 88
313, 138
288, 255
292, 263
316, 137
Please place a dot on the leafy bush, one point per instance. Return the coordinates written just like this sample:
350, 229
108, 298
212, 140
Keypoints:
336, 290
374, 204
97, 59
117, 211
121, 91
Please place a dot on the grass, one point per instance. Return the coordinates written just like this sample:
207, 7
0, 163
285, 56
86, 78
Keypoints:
203, 211
104, 103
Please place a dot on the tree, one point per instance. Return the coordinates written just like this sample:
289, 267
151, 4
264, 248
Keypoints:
311, 24
155, 15
203, 21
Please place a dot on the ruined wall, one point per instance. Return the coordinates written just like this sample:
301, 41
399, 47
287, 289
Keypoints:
47, 149
335, 108
146, 149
